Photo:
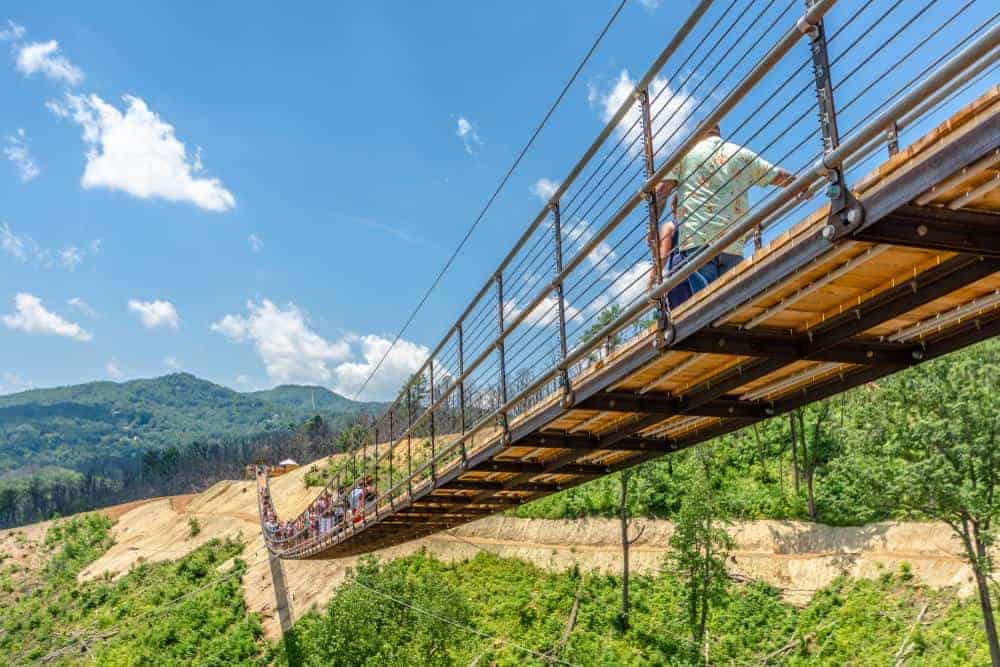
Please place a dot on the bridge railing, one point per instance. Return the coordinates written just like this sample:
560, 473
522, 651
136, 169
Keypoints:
821, 91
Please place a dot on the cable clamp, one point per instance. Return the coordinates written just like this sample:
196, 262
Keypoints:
806, 28
568, 399
665, 331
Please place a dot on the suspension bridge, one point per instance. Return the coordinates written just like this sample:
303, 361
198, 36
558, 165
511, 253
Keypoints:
880, 252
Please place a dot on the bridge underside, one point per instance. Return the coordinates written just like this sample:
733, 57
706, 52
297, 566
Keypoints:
803, 319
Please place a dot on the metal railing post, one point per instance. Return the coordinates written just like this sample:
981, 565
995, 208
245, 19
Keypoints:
461, 384
430, 368
892, 138
392, 435
409, 441
567, 398
375, 466
505, 424
653, 214
845, 211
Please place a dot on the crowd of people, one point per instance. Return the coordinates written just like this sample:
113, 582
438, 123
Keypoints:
330, 513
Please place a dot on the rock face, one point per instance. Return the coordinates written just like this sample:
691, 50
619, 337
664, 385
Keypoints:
796, 557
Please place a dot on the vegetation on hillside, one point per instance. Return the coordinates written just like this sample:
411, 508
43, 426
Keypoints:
190, 611
73, 448
505, 612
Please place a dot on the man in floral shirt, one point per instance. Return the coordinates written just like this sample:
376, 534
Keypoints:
711, 187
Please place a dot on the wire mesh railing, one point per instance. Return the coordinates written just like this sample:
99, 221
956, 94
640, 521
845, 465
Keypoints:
809, 97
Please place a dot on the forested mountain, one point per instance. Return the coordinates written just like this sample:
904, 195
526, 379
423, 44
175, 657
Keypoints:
70, 448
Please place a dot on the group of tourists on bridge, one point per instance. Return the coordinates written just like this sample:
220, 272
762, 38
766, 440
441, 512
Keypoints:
331, 512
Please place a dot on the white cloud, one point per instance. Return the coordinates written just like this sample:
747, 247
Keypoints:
155, 313
172, 363
670, 110
13, 384
402, 361
137, 152
293, 352
290, 349
45, 58
651, 5
113, 371
81, 305
467, 133
256, 242
32, 317
17, 152
544, 189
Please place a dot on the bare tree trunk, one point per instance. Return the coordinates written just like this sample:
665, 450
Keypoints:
761, 452
989, 623
623, 518
979, 565
795, 450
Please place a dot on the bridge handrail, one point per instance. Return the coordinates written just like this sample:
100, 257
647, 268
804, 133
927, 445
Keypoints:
931, 89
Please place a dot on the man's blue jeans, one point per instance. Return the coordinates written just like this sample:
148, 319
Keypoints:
700, 279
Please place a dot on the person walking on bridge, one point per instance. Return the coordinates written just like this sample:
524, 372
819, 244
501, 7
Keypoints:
710, 186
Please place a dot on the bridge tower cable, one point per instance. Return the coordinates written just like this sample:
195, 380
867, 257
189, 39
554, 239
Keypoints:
492, 198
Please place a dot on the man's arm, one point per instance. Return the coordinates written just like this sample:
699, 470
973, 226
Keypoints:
663, 190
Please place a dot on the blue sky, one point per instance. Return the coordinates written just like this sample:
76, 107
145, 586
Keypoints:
259, 198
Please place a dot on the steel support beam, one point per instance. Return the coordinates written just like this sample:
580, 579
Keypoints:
591, 444
653, 404
935, 228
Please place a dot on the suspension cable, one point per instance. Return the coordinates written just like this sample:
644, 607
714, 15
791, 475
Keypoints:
496, 193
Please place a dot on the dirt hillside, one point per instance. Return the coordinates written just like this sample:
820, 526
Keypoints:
797, 557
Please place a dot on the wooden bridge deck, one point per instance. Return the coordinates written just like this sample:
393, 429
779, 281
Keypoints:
802, 319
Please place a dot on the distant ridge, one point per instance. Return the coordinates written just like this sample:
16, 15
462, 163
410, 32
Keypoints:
87, 425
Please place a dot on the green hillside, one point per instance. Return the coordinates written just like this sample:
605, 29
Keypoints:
69, 449
93, 424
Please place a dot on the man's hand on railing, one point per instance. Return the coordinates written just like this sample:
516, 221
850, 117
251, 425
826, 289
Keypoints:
782, 178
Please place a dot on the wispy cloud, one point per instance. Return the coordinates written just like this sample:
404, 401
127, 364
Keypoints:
24, 249
466, 131
16, 150
397, 232
43, 58
81, 305
113, 370
256, 242
13, 384
544, 188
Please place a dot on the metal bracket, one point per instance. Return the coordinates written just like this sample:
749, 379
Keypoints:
846, 213
568, 398
666, 333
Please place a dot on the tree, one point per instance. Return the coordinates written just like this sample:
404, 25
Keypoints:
625, 519
606, 317
810, 446
933, 434
699, 547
